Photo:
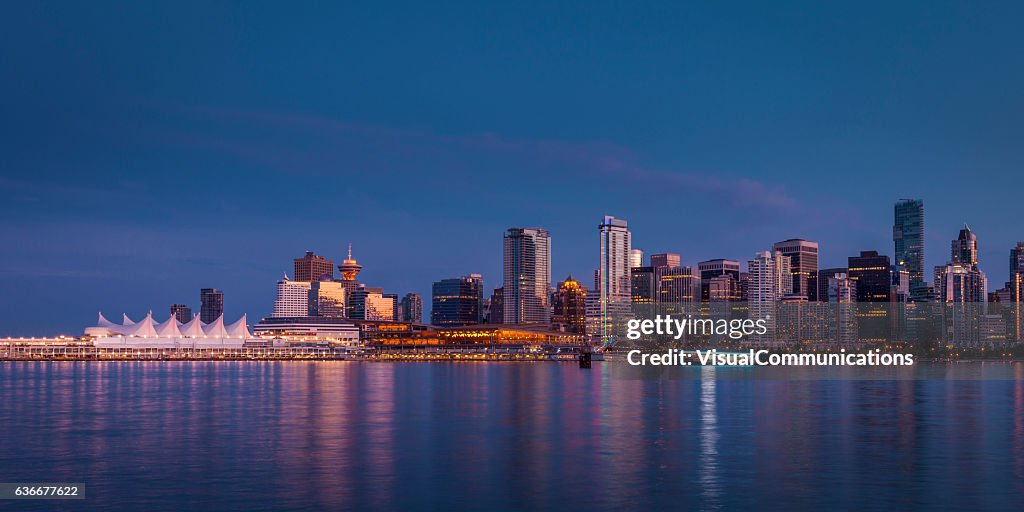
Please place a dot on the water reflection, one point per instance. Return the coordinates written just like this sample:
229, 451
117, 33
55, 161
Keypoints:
494, 436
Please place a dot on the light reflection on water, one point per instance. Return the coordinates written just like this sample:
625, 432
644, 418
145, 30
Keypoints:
365, 436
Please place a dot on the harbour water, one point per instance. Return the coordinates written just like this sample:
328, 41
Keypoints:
503, 436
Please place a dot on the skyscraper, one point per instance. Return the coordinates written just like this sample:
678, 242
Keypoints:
1017, 259
614, 290
327, 299
908, 240
803, 260
636, 258
527, 276
873, 275
182, 312
712, 269
292, 300
769, 278
312, 267
677, 285
964, 250
412, 308
369, 303
666, 260
570, 306
211, 306
457, 301
643, 285
497, 311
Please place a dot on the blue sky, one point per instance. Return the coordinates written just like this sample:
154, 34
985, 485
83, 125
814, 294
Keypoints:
148, 150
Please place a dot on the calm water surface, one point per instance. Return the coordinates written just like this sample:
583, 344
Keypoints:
502, 436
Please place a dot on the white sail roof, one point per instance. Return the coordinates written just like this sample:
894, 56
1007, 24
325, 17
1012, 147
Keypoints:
145, 327
169, 328
215, 329
125, 320
239, 329
192, 329
103, 322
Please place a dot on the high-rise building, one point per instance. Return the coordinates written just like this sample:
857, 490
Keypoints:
908, 240
770, 278
349, 269
527, 276
964, 250
842, 294
570, 306
643, 286
457, 301
412, 308
211, 306
182, 312
677, 285
292, 299
497, 311
615, 279
873, 275
367, 303
955, 282
823, 276
636, 258
723, 288
327, 299
711, 269
665, 260
1017, 259
396, 307
312, 267
803, 261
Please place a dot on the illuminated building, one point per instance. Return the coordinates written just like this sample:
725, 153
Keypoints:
614, 289
842, 296
349, 269
527, 276
496, 314
908, 241
478, 336
643, 286
873, 275
665, 260
723, 288
309, 328
182, 312
312, 267
636, 258
211, 302
457, 301
803, 263
964, 250
412, 308
714, 268
822, 281
293, 298
770, 278
677, 285
365, 303
327, 299
570, 306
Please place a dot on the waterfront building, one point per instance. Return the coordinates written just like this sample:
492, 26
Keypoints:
368, 303
211, 304
326, 299
614, 289
349, 269
842, 298
770, 278
803, 263
293, 298
908, 241
527, 276
312, 267
182, 312
570, 306
457, 301
336, 330
412, 308
636, 258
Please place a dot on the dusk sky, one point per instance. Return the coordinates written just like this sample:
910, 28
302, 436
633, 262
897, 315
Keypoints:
148, 149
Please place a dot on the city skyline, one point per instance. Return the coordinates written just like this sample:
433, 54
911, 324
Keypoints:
223, 141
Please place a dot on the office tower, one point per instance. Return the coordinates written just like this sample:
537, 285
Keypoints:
955, 282
570, 307
873, 275
841, 295
497, 313
527, 276
666, 260
964, 250
723, 288
678, 285
211, 304
292, 299
349, 269
822, 281
368, 303
643, 285
412, 308
803, 262
711, 269
312, 267
1017, 259
327, 299
182, 312
908, 241
900, 290
457, 301
636, 258
396, 307
615, 296
593, 312
770, 278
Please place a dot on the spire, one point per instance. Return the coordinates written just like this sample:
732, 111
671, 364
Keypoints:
349, 268
350, 249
